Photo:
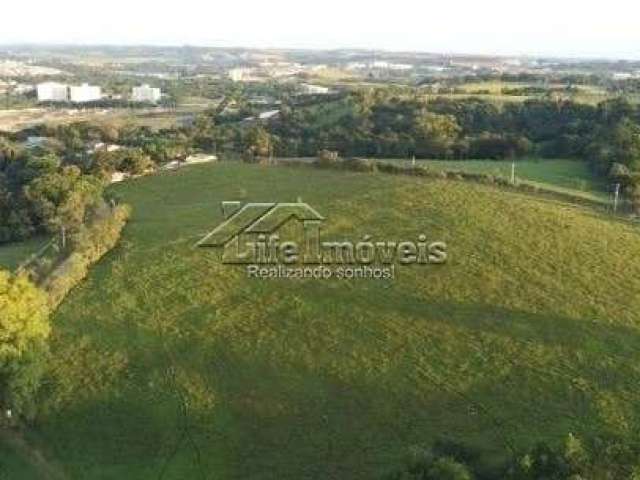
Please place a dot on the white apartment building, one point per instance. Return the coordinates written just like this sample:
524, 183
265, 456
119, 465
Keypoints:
145, 93
52, 92
84, 93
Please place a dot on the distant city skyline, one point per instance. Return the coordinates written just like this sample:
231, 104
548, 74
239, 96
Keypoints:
493, 27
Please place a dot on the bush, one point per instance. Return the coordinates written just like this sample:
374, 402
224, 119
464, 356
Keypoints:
88, 245
448, 469
353, 164
445, 461
327, 158
392, 168
574, 459
359, 165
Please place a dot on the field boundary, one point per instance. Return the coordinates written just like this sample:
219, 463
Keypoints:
522, 186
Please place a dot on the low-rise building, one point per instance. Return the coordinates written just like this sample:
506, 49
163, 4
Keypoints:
145, 93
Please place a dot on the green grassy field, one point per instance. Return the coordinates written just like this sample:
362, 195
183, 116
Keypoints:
491, 91
567, 176
169, 364
13, 254
589, 94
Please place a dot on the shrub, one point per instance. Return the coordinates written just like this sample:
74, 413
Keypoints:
359, 165
445, 461
392, 168
89, 245
327, 158
448, 469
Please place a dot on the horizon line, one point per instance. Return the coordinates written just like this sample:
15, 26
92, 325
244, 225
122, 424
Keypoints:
530, 55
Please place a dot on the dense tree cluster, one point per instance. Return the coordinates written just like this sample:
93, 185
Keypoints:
572, 460
24, 331
385, 123
39, 193
57, 185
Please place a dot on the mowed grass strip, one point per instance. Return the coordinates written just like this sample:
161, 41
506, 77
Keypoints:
169, 362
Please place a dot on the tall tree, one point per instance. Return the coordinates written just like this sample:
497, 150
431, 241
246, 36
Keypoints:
24, 330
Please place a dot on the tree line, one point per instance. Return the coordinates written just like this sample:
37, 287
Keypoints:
573, 459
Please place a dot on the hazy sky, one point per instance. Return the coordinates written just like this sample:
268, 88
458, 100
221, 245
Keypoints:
548, 27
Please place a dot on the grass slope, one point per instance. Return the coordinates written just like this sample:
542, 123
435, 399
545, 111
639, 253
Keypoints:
13, 254
168, 363
565, 176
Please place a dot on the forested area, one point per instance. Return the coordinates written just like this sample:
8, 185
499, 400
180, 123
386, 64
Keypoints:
575, 458
59, 185
383, 123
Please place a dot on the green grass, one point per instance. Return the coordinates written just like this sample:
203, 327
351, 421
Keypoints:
586, 94
566, 176
167, 362
13, 254
13, 465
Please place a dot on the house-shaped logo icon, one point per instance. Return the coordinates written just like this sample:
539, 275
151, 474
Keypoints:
258, 219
